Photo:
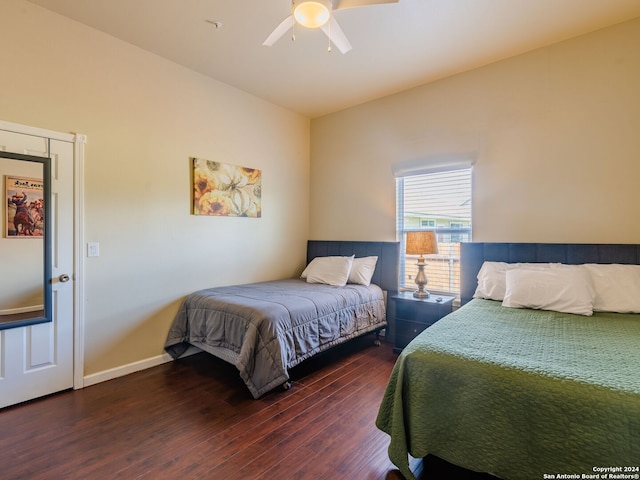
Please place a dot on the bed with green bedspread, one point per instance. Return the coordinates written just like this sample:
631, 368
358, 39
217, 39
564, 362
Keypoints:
519, 393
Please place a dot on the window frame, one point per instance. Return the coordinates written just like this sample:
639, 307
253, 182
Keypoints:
462, 234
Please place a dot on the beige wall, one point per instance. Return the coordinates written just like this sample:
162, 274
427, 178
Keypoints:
144, 117
555, 133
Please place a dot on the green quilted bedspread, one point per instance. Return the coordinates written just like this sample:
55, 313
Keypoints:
519, 393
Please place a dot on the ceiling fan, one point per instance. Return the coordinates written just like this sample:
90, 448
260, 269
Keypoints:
318, 14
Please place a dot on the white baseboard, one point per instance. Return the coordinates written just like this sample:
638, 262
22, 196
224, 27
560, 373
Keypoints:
123, 370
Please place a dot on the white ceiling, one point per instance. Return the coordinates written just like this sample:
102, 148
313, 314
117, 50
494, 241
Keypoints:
395, 46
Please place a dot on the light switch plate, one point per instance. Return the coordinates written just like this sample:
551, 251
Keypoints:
93, 249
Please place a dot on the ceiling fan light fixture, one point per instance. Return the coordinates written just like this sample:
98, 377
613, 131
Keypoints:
312, 14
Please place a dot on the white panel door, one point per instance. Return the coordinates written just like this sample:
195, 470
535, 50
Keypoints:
37, 360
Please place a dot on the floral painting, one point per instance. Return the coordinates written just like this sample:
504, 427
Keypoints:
25, 207
226, 190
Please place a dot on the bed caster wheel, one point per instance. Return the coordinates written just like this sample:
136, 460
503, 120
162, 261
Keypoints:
377, 343
286, 385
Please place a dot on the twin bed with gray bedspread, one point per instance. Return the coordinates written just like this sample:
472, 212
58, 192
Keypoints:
518, 392
266, 328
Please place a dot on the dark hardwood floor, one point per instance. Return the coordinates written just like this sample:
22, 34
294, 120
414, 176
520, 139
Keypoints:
195, 419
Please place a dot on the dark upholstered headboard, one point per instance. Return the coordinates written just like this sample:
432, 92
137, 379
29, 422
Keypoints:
472, 255
387, 271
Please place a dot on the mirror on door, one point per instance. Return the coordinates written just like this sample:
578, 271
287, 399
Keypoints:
25, 243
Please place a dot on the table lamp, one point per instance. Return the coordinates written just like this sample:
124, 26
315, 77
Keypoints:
421, 243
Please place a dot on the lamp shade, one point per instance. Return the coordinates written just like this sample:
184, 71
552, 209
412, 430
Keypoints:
312, 14
421, 243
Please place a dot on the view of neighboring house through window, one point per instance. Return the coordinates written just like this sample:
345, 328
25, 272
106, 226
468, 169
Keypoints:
439, 201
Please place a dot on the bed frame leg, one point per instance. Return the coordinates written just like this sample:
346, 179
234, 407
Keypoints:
286, 385
377, 341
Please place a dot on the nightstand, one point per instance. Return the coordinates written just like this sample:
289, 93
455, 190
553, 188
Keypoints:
413, 315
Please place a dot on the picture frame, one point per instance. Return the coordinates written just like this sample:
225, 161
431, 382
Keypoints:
24, 202
225, 190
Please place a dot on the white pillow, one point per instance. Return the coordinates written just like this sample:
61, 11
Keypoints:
617, 287
329, 270
565, 289
362, 270
492, 282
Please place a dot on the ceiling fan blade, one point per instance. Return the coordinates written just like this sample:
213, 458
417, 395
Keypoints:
280, 30
340, 4
336, 35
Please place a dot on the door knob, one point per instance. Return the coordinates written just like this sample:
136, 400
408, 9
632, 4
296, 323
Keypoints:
64, 278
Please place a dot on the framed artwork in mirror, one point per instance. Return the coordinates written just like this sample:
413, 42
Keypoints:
25, 207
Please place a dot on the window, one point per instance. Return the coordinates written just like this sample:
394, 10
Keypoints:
456, 237
439, 201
